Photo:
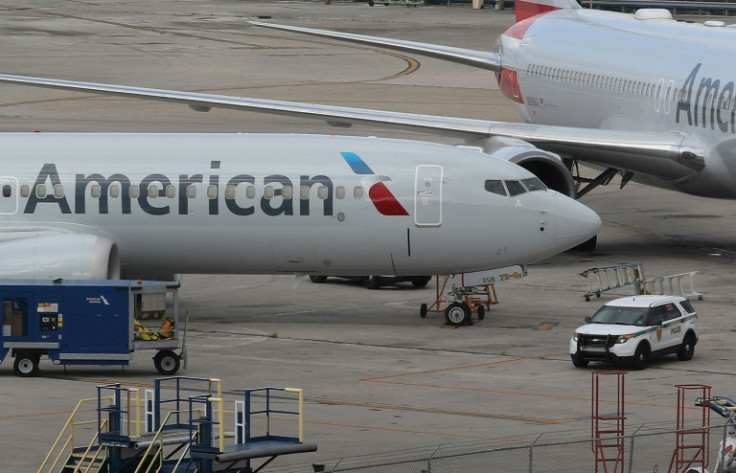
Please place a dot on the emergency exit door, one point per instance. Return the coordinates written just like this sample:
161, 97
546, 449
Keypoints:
428, 196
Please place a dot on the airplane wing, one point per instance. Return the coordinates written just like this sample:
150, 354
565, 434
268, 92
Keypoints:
667, 155
469, 57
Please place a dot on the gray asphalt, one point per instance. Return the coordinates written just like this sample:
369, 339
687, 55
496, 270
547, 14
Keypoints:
376, 376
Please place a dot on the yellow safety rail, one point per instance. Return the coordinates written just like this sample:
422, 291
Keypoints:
63, 446
158, 442
301, 410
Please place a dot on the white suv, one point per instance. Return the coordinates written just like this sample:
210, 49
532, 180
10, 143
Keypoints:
632, 330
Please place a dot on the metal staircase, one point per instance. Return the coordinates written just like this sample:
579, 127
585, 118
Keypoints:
182, 426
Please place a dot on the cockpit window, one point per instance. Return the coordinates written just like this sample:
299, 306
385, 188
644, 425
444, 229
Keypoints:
515, 188
534, 184
496, 187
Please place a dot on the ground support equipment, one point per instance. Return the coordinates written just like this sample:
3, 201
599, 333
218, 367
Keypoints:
608, 278
470, 293
182, 425
726, 408
677, 284
607, 429
89, 323
692, 437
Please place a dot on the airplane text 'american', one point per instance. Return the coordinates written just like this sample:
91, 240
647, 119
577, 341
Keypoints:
240, 193
708, 104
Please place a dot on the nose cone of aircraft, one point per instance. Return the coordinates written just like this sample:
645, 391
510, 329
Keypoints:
575, 222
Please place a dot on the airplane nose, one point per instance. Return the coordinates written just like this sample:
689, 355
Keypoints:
576, 223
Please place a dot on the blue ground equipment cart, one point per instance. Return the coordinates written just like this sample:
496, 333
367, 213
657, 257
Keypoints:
89, 323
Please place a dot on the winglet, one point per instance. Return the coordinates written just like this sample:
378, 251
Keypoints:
529, 8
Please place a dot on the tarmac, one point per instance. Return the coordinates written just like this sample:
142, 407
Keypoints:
377, 378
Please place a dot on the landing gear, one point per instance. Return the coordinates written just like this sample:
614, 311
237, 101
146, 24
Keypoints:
457, 313
372, 282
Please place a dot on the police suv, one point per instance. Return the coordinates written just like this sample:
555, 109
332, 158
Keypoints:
632, 330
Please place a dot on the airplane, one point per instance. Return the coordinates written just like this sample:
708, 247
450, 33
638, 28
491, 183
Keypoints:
154, 205
640, 96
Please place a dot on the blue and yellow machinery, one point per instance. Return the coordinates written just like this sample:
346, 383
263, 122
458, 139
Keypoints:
89, 323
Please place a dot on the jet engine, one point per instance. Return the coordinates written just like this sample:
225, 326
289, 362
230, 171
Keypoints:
59, 255
548, 167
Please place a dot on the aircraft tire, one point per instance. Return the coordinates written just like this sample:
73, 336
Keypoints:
372, 282
457, 314
420, 281
318, 279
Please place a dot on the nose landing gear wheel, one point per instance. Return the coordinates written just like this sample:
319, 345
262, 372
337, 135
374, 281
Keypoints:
457, 313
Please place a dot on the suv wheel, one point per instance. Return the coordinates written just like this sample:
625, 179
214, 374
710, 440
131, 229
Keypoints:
687, 349
641, 356
578, 361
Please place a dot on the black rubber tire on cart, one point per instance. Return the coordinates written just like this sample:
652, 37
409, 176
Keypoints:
457, 313
481, 312
423, 309
166, 362
26, 365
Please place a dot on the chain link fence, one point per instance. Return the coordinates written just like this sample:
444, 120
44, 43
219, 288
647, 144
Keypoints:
650, 448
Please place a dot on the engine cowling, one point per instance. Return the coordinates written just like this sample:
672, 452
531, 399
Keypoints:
63, 255
548, 167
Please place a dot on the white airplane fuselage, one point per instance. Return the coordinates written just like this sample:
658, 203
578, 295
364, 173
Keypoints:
631, 74
256, 204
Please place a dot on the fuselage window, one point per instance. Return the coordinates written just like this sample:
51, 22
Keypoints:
534, 184
358, 192
268, 192
495, 186
250, 192
152, 191
211, 192
7, 190
41, 191
322, 192
304, 192
230, 192
25, 190
515, 188
287, 192
170, 192
94, 190
191, 191
114, 191
340, 192
58, 191
135, 191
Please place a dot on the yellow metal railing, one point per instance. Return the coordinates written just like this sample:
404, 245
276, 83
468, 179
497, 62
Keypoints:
301, 410
63, 446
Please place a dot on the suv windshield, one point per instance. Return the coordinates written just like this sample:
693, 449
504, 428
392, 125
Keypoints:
620, 315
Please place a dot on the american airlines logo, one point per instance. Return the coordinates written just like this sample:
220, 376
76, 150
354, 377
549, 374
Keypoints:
243, 194
707, 103
379, 194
